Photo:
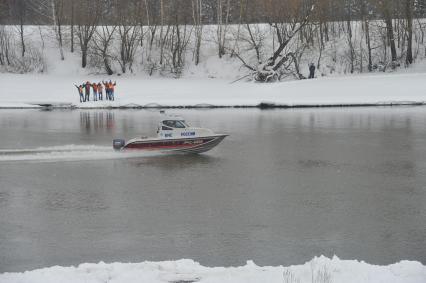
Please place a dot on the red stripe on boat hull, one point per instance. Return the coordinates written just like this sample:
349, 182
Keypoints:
168, 144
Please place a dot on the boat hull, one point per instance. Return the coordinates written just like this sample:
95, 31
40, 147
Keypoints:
187, 145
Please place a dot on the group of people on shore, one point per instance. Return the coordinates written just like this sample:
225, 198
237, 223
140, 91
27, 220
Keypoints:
84, 91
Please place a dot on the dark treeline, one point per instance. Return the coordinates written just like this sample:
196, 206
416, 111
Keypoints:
146, 12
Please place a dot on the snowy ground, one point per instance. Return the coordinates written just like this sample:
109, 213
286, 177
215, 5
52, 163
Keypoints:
403, 88
209, 83
318, 270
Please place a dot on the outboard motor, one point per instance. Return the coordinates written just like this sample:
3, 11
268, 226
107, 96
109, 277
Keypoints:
118, 144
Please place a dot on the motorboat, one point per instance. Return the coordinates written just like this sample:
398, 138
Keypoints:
174, 135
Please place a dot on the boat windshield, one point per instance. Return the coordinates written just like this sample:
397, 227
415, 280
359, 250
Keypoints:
174, 124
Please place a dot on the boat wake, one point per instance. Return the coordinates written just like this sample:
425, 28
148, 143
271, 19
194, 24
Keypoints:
68, 153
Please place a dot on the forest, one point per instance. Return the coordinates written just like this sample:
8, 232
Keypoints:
270, 40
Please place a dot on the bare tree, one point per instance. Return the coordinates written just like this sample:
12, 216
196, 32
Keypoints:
366, 22
222, 25
72, 18
87, 21
19, 10
179, 39
58, 17
128, 44
162, 37
386, 7
196, 15
4, 11
128, 34
409, 9
291, 18
350, 35
102, 41
5, 46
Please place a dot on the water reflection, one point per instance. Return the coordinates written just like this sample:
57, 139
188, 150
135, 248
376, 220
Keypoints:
285, 187
79, 200
176, 161
4, 196
96, 121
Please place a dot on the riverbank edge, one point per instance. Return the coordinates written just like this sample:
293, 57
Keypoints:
263, 105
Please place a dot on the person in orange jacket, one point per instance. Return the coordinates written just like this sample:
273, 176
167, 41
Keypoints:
95, 91
112, 85
107, 90
80, 92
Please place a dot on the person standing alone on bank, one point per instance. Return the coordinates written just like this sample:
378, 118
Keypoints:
312, 71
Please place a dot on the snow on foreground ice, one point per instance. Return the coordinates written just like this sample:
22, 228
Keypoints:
320, 270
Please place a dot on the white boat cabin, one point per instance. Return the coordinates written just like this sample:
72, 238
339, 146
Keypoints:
177, 128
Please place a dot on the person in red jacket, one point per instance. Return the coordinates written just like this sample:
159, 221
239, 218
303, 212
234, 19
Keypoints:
87, 86
95, 92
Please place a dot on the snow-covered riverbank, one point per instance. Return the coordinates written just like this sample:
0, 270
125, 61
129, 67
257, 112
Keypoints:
320, 270
25, 91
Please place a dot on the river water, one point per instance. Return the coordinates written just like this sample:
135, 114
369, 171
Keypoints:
287, 185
